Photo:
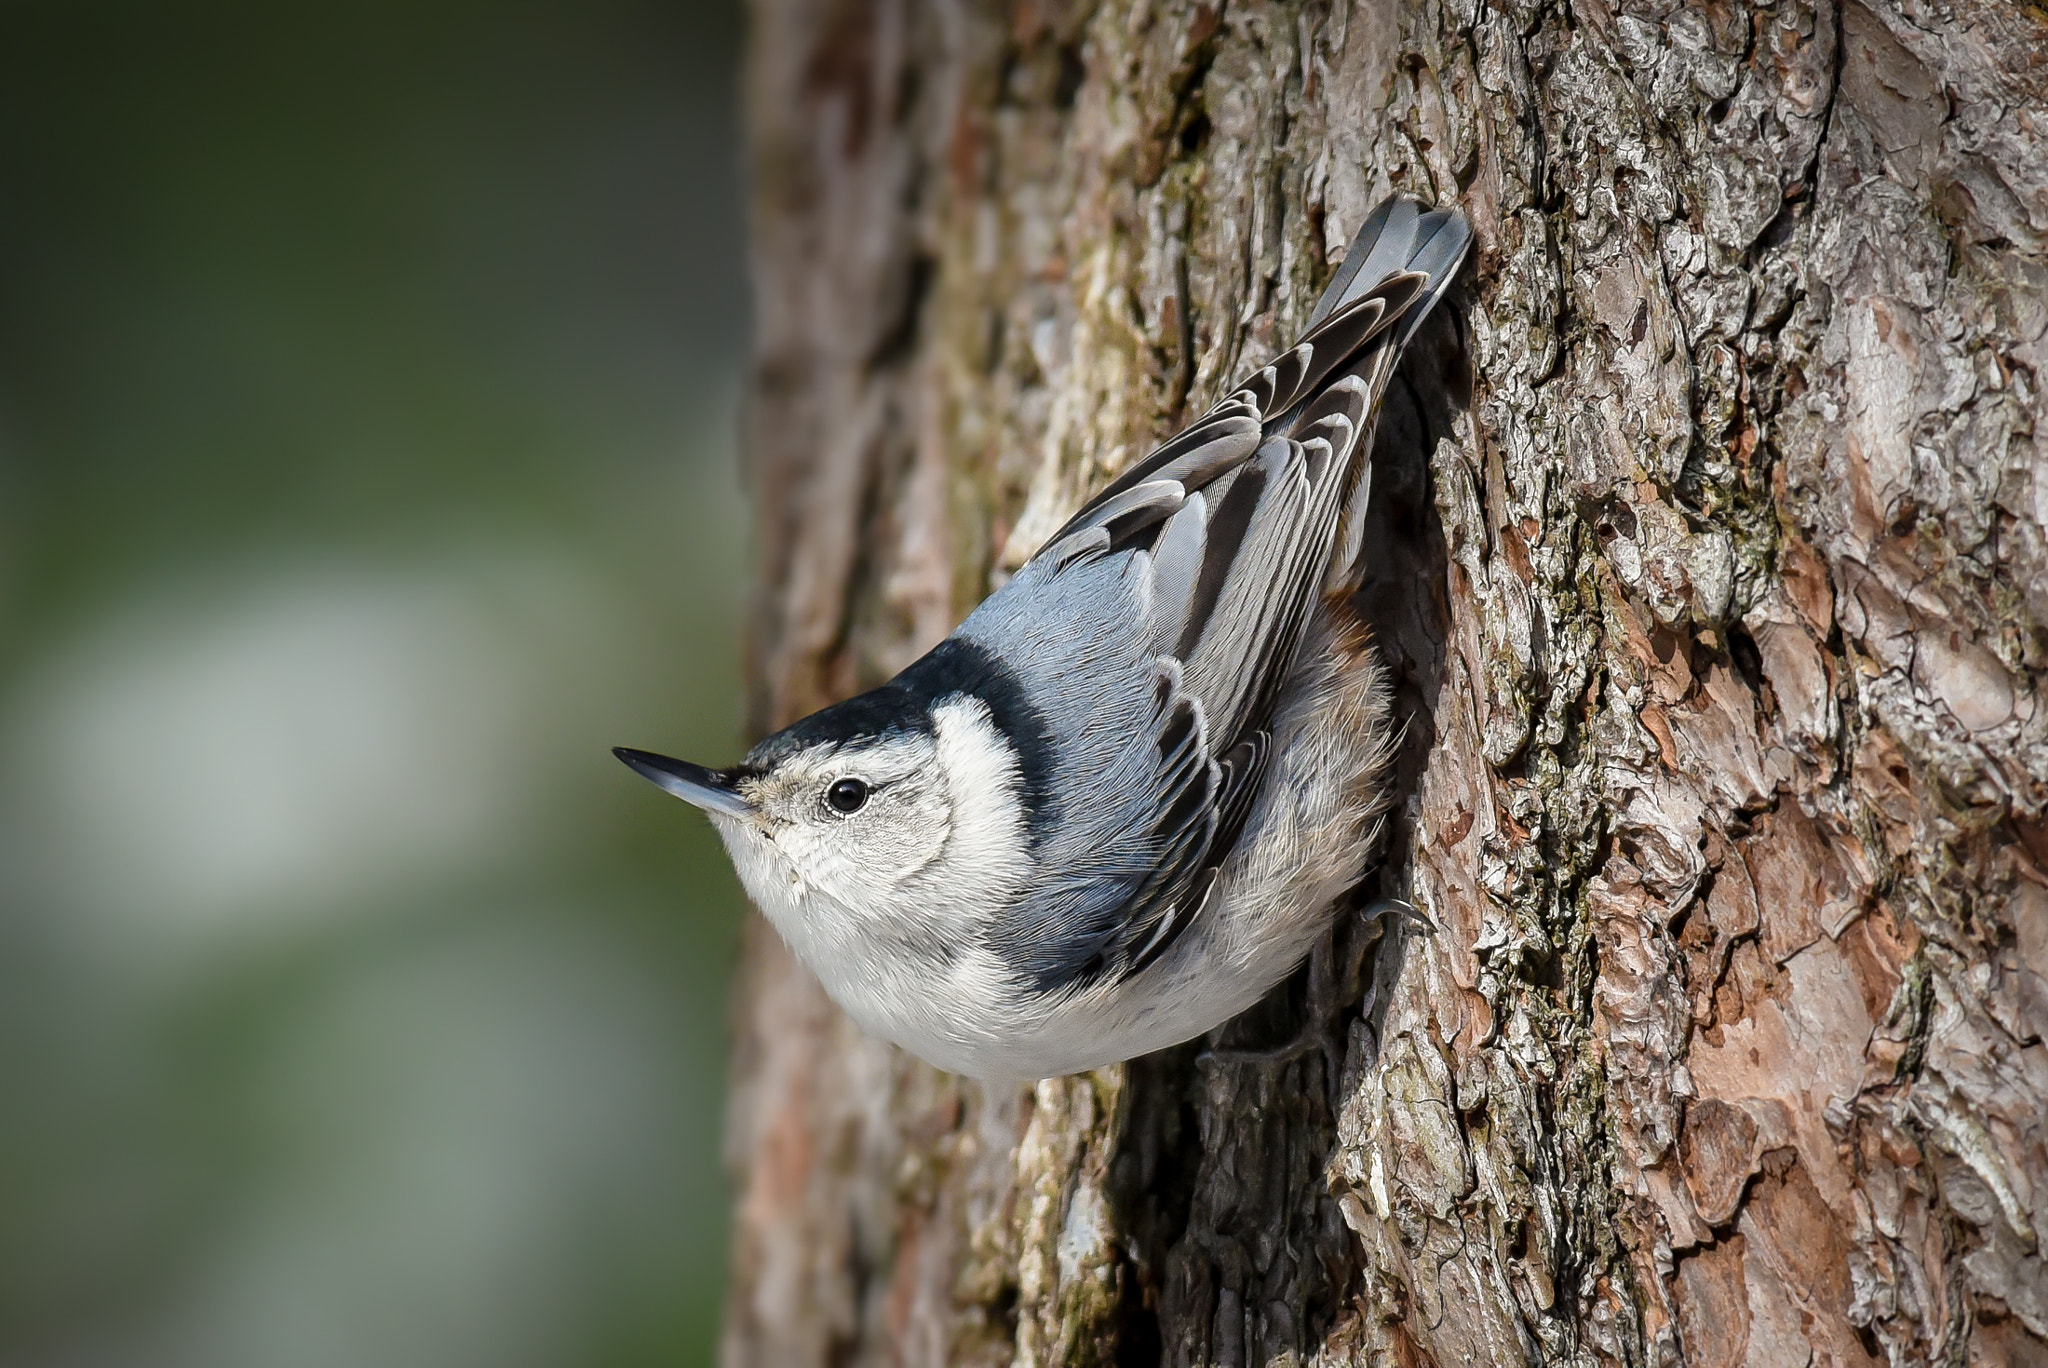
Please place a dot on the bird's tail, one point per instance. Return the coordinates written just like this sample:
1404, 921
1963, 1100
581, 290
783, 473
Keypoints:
1399, 236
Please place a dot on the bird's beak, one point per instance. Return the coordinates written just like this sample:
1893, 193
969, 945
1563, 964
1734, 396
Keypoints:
695, 785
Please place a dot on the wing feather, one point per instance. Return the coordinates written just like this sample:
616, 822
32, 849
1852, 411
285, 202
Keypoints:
1224, 536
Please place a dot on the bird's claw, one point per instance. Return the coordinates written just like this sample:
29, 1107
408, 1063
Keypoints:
1396, 910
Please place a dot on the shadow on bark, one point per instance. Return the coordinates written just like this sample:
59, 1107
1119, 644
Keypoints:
1259, 1179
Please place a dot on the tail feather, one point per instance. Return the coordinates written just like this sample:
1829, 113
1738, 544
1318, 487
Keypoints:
1444, 236
1399, 236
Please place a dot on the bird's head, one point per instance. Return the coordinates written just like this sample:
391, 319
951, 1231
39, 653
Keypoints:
866, 821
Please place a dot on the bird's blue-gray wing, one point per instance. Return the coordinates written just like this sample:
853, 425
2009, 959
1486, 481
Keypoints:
1156, 628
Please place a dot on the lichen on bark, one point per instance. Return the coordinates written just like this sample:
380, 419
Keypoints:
1709, 560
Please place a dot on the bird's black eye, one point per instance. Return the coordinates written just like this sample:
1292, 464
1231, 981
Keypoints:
847, 795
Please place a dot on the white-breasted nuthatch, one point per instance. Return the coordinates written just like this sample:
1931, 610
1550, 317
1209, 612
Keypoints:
1120, 802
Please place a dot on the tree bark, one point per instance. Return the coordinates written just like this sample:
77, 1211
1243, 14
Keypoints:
1710, 559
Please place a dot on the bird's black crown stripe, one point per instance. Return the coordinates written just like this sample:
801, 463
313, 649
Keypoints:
879, 712
904, 706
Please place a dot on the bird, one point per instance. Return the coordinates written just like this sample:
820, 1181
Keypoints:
1130, 792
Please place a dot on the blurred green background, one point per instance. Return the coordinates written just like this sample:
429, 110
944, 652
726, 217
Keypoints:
367, 470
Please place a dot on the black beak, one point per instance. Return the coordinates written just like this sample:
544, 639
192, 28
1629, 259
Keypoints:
695, 785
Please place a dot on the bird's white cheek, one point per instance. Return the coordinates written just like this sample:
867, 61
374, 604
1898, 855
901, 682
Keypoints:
986, 862
801, 862
771, 880
862, 865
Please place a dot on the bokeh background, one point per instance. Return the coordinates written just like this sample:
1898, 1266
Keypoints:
367, 469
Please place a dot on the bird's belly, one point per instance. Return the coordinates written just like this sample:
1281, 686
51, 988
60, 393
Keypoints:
1252, 944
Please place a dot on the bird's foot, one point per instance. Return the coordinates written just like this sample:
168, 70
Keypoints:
1388, 910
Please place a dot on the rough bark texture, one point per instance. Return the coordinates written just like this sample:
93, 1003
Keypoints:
1714, 573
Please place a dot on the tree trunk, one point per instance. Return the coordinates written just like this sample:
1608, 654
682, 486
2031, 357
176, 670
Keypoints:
1710, 559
